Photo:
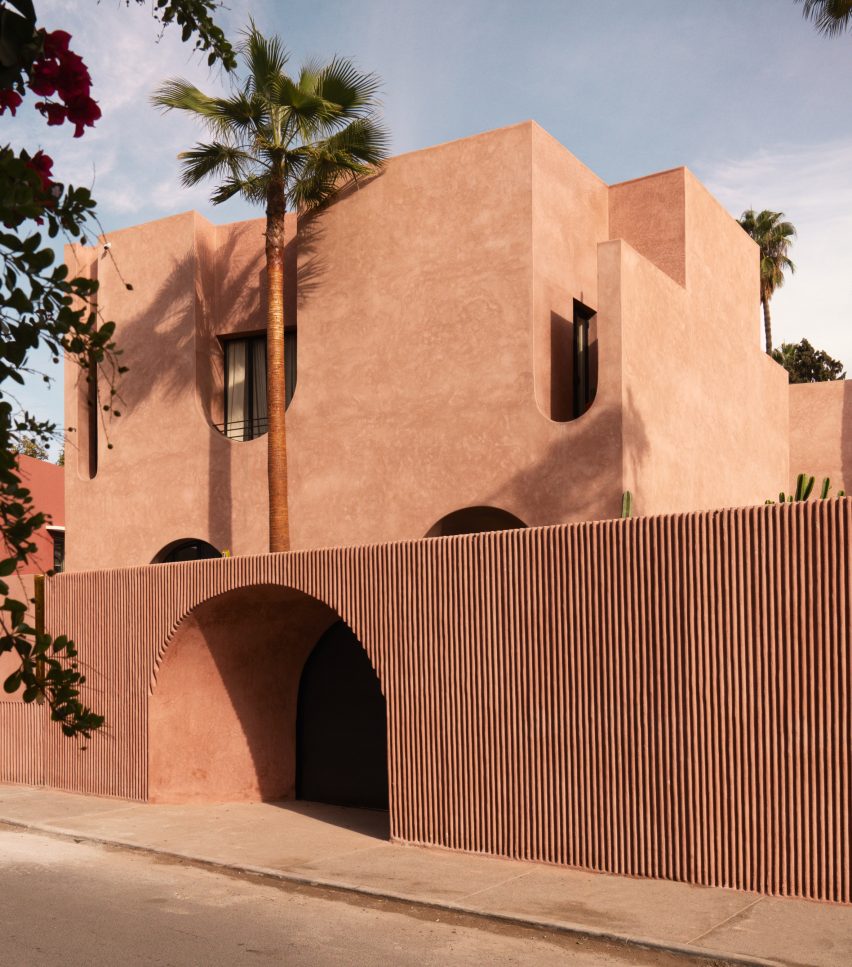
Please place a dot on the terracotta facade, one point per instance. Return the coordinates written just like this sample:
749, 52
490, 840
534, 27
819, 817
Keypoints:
436, 309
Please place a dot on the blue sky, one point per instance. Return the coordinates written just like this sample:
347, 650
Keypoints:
747, 95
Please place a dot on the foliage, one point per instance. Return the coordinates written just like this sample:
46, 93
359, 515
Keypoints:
774, 237
60, 460
31, 448
804, 488
285, 142
195, 18
805, 364
626, 505
298, 135
40, 306
830, 17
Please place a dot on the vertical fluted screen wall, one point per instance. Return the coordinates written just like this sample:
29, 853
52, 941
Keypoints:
664, 697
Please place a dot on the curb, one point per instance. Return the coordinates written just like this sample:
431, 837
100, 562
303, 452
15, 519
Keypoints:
698, 954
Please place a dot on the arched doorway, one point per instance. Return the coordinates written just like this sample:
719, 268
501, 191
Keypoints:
341, 726
222, 714
474, 520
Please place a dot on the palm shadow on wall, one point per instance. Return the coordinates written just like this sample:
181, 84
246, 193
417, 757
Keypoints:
175, 357
594, 479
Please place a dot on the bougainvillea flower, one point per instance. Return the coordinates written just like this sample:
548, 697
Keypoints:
73, 80
9, 99
55, 113
83, 112
56, 43
42, 165
43, 77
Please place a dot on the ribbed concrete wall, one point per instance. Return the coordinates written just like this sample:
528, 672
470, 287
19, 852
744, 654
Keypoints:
665, 697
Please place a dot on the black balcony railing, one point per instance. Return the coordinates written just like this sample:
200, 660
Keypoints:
243, 429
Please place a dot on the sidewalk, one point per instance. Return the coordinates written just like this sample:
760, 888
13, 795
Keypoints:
347, 849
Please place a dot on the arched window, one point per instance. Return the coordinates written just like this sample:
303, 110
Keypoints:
475, 520
186, 549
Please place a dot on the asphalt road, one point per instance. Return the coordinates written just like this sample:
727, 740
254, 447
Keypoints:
68, 903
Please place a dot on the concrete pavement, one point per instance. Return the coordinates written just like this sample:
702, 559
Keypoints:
347, 849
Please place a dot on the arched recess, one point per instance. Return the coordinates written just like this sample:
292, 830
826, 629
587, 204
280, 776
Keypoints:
222, 712
474, 520
186, 549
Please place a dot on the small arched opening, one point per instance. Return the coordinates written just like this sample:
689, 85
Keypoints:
474, 520
264, 694
186, 549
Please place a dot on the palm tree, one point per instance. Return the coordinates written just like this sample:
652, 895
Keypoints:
773, 236
831, 17
289, 143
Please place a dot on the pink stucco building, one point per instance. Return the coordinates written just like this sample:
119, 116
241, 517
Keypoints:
485, 336
486, 328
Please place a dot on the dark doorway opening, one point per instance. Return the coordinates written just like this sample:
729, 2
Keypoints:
341, 726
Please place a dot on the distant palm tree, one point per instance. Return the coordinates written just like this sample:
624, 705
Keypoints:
831, 17
773, 236
286, 143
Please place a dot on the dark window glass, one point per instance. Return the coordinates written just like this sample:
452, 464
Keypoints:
58, 550
245, 384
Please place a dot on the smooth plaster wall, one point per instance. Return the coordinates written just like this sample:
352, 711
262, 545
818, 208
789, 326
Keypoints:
170, 473
821, 433
664, 697
222, 717
45, 482
705, 414
426, 300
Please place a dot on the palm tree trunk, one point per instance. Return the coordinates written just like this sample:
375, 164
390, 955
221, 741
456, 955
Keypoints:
279, 516
767, 325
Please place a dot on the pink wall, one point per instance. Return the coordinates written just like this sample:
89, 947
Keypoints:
664, 697
705, 416
45, 482
222, 717
427, 302
170, 474
821, 433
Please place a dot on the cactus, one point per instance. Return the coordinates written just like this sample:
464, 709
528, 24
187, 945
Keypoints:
626, 505
804, 487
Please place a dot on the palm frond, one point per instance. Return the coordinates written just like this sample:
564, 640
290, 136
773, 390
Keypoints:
178, 94
830, 17
253, 188
356, 151
206, 160
312, 134
773, 236
264, 59
354, 92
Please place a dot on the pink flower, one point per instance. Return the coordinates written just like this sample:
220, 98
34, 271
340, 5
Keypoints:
9, 99
56, 43
73, 80
42, 165
55, 113
83, 112
43, 77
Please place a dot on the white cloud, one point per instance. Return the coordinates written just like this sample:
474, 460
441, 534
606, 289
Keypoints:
812, 186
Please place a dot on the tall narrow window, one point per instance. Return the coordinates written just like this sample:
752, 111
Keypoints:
58, 536
584, 389
245, 384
